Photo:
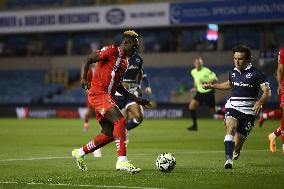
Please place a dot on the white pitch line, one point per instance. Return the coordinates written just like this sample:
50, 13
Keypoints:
68, 157
38, 158
78, 185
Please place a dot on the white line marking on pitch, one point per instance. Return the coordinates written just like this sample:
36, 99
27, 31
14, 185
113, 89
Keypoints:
66, 157
79, 185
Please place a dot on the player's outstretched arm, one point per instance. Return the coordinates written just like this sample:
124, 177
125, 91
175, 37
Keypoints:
127, 94
220, 86
265, 95
92, 58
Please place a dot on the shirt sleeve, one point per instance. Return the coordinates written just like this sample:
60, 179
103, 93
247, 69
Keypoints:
106, 52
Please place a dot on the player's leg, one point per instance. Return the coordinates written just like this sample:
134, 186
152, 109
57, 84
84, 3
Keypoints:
115, 116
87, 119
101, 104
272, 139
134, 118
239, 142
193, 105
245, 125
279, 131
229, 143
105, 137
135, 114
272, 114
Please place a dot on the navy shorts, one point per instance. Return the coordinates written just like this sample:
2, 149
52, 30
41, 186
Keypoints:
205, 98
122, 101
245, 121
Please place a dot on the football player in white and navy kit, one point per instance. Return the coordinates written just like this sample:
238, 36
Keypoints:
241, 108
132, 79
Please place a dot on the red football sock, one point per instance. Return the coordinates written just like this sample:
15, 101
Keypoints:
119, 135
277, 132
273, 114
87, 118
99, 141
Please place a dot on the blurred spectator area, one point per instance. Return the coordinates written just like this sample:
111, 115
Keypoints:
169, 84
178, 39
30, 87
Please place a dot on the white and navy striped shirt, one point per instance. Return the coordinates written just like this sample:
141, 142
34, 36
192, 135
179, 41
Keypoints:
245, 88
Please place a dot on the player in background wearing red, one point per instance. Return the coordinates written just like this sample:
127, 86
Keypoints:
272, 114
111, 64
280, 91
87, 117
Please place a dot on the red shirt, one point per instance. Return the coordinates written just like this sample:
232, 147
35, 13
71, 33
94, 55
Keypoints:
109, 71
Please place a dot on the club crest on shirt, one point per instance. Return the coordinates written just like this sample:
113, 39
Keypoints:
249, 75
233, 75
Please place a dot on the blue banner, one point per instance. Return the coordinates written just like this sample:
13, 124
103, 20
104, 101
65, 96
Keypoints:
227, 11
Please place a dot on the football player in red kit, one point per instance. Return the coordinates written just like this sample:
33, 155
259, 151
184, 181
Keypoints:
111, 64
279, 131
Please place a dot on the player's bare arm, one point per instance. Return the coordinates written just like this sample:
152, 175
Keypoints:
279, 78
220, 86
265, 95
123, 91
92, 58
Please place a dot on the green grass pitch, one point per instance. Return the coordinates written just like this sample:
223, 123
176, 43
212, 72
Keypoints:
36, 153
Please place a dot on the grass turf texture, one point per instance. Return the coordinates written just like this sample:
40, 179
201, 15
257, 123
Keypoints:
199, 155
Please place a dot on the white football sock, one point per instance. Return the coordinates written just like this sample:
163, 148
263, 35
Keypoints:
81, 152
273, 135
122, 158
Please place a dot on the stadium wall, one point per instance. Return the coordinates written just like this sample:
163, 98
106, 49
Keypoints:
150, 60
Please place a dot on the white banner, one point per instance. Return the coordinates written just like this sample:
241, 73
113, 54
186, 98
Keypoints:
90, 18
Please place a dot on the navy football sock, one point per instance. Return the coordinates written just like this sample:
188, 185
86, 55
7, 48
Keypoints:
229, 149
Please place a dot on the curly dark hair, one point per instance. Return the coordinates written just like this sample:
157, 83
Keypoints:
243, 49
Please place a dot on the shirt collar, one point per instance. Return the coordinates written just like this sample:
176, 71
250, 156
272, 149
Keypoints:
247, 68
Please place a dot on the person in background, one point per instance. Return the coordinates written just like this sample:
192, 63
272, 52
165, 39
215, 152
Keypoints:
201, 75
280, 130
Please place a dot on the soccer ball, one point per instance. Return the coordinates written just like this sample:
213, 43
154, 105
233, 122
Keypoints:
165, 162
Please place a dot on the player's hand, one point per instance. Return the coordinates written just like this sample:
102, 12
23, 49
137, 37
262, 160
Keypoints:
85, 85
148, 90
143, 102
257, 107
207, 86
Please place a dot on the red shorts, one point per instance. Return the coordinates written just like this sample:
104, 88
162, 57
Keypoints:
101, 104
